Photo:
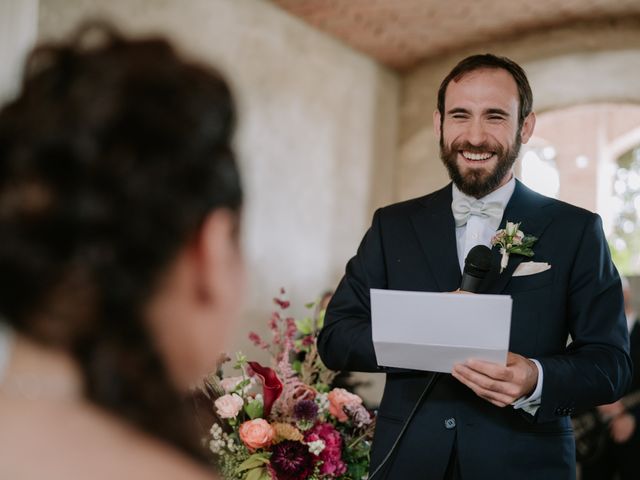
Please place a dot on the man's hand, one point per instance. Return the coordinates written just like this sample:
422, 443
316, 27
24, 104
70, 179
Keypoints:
622, 427
611, 410
496, 383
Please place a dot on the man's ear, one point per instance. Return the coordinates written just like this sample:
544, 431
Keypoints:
436, 122
527, 127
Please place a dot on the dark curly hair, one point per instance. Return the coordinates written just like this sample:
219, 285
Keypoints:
110, 160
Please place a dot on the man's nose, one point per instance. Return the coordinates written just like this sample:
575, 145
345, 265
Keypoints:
476, 134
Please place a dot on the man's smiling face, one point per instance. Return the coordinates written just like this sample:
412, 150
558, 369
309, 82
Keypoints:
480, 135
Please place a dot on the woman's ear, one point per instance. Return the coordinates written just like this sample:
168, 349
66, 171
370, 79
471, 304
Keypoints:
217, 256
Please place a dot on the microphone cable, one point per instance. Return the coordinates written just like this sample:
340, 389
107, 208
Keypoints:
477, 265
422, 396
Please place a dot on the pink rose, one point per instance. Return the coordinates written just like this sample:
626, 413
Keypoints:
228, 406
256, 433
339, 398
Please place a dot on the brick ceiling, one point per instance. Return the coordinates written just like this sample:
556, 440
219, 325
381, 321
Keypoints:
402, 33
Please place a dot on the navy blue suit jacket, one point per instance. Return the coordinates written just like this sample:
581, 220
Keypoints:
412, 246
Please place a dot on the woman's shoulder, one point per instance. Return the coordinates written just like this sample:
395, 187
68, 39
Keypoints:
64, 441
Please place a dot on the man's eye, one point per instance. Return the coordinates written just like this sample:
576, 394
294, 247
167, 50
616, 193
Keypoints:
496, 117
459, 115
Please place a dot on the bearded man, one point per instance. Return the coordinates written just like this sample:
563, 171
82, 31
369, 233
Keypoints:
486, 420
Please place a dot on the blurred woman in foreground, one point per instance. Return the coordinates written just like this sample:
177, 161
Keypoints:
120, 269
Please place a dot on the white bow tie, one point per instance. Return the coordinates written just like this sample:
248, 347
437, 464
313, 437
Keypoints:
463, 207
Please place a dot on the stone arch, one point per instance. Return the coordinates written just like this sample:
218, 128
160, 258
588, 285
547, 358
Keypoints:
558, 79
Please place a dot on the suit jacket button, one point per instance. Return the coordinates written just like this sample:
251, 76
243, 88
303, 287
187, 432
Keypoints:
450, 423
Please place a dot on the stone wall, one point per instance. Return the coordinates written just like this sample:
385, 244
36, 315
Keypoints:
18, 31
316, 139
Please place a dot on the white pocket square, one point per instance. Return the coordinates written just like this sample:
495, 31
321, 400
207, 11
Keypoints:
530, 268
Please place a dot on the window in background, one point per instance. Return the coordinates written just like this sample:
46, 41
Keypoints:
539, 170
624, 239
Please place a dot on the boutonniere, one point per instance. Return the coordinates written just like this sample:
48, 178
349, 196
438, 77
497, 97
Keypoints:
512, 240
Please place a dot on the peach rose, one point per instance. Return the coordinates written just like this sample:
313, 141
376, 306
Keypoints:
228, 406
339, 398
256, 433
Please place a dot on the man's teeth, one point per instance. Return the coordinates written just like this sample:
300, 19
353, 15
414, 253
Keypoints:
477, 156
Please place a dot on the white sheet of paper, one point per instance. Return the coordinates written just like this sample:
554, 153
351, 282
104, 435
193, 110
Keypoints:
434, 331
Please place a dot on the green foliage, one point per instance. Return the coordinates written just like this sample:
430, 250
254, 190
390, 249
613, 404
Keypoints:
241, 386
322, 387
258, 474
254, 467
254, 409
320, 319
356, 454
297, 366
241, 361
305, 326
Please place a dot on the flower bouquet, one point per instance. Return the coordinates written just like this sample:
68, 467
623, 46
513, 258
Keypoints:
284, 422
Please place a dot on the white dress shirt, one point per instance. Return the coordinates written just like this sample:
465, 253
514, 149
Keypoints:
479, 231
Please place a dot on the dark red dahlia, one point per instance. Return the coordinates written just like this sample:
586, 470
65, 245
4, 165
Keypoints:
290, 461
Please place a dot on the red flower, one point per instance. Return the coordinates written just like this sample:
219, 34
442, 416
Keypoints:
271, 385
331, 456
255, 339
283, 304
290, 461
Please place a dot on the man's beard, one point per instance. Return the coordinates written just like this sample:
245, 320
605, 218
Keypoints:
478, 183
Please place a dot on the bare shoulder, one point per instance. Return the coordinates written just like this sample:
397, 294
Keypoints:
61, 441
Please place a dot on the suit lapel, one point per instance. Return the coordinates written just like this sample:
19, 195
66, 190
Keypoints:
435, 229
525, 206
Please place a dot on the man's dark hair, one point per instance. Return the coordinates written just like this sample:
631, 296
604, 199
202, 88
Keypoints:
489, 61
111, 158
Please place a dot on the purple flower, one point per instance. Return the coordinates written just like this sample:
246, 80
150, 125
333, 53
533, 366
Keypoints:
290, 461
305, 410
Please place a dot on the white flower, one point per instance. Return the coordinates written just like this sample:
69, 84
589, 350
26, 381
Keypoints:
316, 447
508, 239
512, 228
322, 400
228, 406
216, 446
216, 431
221, 441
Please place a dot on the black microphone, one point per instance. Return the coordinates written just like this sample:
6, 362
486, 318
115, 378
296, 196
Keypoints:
476, 266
